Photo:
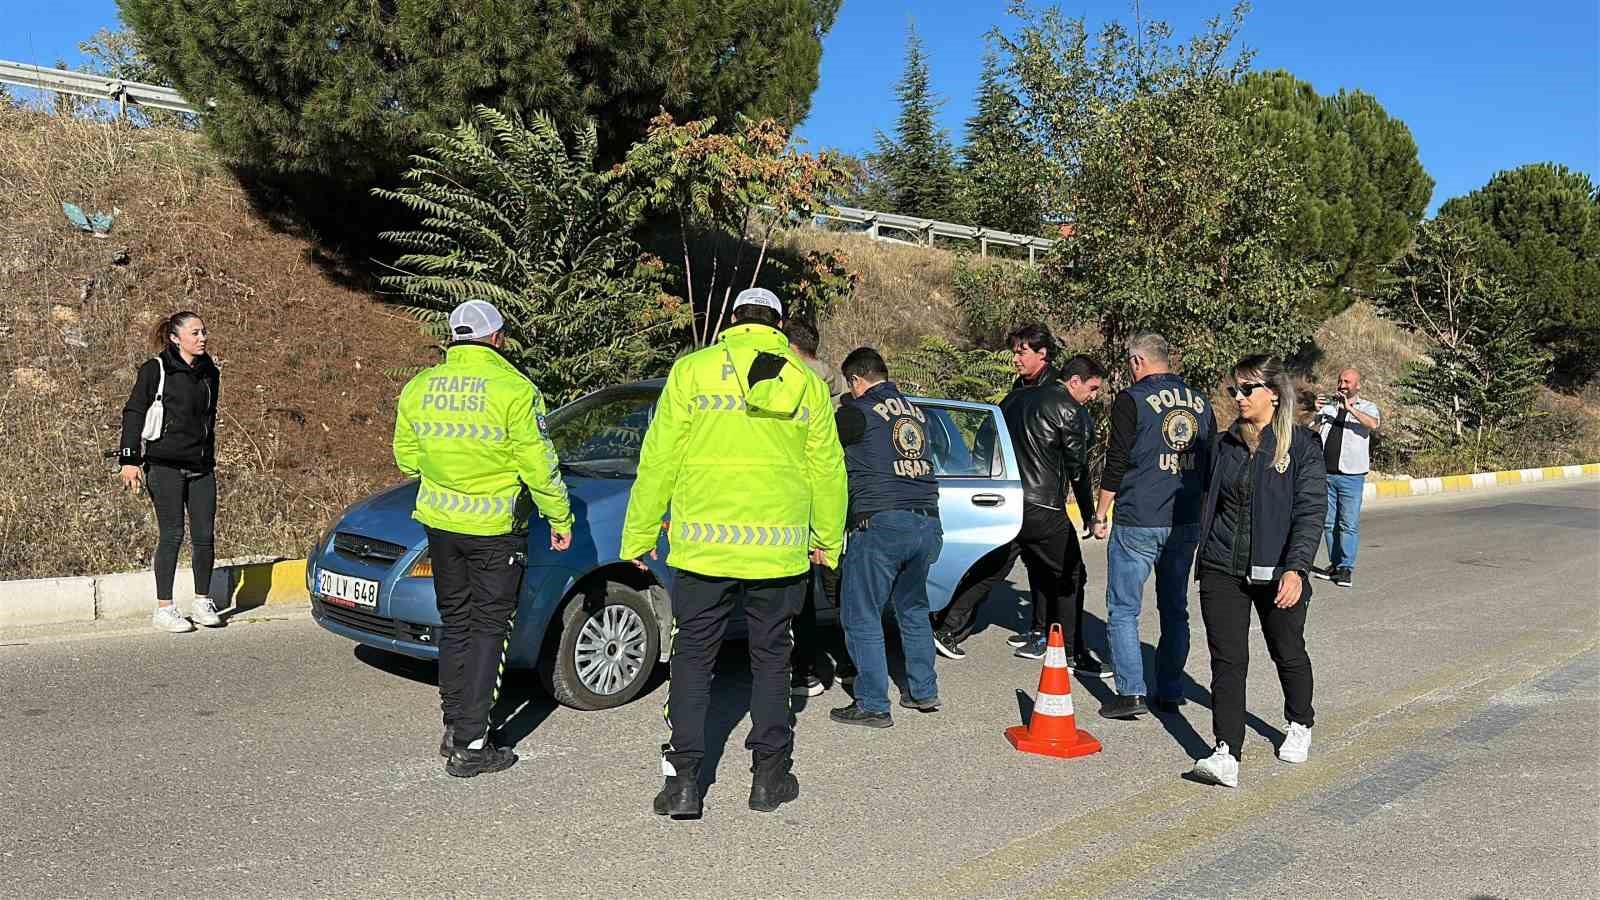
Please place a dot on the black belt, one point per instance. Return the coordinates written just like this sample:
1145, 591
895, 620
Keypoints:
857, 523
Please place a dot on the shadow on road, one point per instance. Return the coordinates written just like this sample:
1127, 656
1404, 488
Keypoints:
521, 708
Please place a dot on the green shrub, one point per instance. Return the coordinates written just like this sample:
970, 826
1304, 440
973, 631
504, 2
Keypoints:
512, 215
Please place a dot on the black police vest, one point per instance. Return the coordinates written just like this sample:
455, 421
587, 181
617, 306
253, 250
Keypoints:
889, 467
1165, 482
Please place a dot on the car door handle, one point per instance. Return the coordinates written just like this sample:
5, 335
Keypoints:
987, 500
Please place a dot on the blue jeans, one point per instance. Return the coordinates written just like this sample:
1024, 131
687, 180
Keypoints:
1130, 555
1344, 519
886, 563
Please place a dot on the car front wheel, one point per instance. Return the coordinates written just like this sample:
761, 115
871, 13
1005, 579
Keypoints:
607, 649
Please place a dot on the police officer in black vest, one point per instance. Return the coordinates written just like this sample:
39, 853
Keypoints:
892, 537
1156, 464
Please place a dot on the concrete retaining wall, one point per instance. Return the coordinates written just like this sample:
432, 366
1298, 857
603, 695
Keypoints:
240, 584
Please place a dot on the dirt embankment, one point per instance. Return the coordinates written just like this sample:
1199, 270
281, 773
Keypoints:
307, 390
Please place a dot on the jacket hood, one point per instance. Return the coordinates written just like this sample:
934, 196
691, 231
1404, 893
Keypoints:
773, 382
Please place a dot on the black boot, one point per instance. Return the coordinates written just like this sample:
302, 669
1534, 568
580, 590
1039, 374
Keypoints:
447, 744
773, 785
679, 797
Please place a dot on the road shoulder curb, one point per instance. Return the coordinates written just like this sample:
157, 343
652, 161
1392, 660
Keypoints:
244, 583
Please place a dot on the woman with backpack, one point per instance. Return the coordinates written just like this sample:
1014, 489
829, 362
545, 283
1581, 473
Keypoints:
169, 447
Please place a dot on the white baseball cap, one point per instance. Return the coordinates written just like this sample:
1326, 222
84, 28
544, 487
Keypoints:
474, 320
758, 297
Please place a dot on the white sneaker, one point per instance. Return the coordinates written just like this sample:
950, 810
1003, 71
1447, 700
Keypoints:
1218, 768
1296, 744
168, 619
204, 612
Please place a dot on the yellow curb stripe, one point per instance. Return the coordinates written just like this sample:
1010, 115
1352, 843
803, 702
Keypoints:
977, 877
258, 584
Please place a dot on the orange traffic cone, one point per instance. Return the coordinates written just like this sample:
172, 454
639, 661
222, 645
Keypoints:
1052, 730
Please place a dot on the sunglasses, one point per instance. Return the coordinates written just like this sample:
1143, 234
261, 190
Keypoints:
1244, 389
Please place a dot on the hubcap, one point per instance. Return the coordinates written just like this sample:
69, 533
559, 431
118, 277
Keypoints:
610, 650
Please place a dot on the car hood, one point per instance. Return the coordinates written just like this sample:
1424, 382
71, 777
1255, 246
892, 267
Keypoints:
599, 505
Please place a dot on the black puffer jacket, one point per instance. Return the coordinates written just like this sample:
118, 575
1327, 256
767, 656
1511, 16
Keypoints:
189, 434
1051, 436
1287, 508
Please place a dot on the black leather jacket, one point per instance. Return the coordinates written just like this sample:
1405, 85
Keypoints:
1051, 434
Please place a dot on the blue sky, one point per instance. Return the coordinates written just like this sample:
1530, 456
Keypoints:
1483, 86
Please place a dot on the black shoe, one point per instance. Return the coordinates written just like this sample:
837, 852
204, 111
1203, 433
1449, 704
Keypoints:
770, 791
1324, 574
947, 646
844, 675
1120, 707
1343, 577
855, 715
932, 704
447, 744
470, 763
1085, 665
680, 798
806, 685
1034, 649
1024, 638
1163, 705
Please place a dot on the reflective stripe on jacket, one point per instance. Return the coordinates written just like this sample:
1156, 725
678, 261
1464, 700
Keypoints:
472, 429
750, 465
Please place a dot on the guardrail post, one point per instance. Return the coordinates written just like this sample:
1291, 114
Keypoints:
1030, 254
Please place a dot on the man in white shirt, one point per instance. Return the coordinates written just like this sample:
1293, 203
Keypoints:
1346, 422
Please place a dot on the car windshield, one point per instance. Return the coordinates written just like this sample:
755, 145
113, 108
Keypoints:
600, 435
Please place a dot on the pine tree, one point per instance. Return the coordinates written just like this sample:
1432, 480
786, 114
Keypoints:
1538, 227
1482, 372
1001, 167
918, 164
1362, 189
344, 90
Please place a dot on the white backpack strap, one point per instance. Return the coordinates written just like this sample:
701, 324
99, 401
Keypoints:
161, 385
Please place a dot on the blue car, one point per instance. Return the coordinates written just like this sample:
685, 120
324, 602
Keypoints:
592, 624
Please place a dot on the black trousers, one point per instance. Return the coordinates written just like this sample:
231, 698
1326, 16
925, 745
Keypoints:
1225, 602
476, 581
700, 608
1049, 549
171, 492
1073, 605
812, 641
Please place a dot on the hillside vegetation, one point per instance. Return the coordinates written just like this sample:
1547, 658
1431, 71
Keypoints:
310, 354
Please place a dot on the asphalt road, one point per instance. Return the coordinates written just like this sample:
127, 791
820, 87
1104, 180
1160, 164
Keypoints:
1458, 708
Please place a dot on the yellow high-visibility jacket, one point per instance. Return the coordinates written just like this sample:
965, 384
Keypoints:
472, 429
750, 463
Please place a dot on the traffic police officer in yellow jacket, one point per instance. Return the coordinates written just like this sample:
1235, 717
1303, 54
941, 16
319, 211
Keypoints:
745, 450
472, 430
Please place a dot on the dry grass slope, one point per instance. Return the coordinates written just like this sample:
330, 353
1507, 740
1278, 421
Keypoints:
306, 406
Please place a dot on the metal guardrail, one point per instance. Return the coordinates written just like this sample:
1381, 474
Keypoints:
925, 231
83, 84
917, 231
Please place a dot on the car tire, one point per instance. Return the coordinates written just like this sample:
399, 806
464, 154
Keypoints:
606, 650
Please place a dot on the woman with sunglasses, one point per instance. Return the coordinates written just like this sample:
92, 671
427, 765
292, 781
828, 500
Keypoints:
1260, 525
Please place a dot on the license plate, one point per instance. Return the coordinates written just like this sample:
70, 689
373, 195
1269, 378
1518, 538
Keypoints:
347, 590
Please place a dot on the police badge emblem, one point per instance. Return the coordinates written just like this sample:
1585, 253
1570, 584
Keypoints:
1179, 428
909, 438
